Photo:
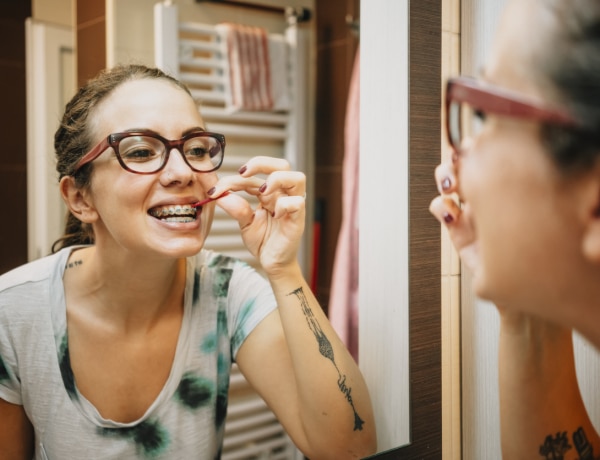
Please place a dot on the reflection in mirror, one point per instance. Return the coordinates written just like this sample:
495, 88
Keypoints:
392, 323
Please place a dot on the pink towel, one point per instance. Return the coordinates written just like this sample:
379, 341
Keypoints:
343, 306
249, 66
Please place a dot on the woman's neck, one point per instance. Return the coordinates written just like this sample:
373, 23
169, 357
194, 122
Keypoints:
124, 292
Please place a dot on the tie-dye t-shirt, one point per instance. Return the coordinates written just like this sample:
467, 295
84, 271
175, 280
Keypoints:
224, 300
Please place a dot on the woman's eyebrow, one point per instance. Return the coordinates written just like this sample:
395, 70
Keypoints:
193, 130
186, 132
135, 130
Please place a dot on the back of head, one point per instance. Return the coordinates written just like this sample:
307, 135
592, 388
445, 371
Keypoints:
570, 62
73, 139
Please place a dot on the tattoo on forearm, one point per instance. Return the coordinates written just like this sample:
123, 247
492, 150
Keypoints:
555, 447
326, 350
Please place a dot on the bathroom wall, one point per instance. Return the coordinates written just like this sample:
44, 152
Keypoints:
13, 153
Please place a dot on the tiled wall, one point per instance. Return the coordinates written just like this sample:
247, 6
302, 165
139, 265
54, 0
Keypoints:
13, 154
451, 403
336, 49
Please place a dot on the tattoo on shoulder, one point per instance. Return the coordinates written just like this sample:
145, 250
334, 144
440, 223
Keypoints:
74, 263
326, 350
555, 447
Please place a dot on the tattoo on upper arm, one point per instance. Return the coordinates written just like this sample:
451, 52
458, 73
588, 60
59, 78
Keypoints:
326, 350
555, 447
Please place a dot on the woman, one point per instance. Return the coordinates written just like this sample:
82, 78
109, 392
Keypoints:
526, 170
119, 345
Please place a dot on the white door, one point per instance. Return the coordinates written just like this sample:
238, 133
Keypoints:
50, 70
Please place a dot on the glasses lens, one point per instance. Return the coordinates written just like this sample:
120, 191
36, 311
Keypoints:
142, 153
454, 125
203, 152
465, 122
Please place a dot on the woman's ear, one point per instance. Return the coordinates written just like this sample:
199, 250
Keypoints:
77, 200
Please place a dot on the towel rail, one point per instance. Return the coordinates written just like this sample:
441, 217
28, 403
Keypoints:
217, 113
201, 45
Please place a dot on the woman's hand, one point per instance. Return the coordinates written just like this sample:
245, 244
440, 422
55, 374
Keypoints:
273, 230
454, 213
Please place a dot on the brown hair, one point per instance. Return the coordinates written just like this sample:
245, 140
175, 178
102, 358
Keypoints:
570, 61
73, 137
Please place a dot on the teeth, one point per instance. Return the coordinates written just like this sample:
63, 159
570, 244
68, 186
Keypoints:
185, 211
180, 219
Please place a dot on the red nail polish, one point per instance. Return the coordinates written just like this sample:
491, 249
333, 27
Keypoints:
243, 169
211, 191
446, 184
448, 218
262, 188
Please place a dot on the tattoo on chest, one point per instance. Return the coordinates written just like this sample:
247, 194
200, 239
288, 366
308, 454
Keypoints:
326, 350
556, 446
74, 263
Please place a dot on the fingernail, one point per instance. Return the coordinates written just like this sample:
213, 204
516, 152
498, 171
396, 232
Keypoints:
448, 218
212, 190
263, 187
446, 184
243, 169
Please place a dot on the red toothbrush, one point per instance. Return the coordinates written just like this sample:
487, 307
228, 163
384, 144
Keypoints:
208, 200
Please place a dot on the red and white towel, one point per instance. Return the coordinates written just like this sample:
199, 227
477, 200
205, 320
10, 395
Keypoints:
251, 71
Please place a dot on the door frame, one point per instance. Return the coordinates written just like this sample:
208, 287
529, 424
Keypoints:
50, 82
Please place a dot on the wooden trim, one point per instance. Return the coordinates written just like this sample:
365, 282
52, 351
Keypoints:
91, 38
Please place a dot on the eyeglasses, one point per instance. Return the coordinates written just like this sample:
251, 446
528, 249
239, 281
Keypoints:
145, 152
468, 100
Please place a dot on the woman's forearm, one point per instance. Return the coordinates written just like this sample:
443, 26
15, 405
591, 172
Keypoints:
334, 399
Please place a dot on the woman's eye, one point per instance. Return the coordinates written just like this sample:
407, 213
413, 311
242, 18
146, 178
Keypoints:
196, 152
139, 154
479, 114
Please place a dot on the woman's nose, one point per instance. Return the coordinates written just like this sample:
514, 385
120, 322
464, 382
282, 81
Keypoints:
176, 169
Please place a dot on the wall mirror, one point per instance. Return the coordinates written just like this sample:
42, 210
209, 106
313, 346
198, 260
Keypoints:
400, 325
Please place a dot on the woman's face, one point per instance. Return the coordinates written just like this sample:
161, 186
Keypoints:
125, 202
524, 212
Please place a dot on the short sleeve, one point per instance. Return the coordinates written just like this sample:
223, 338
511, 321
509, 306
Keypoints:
10, 386
250, 300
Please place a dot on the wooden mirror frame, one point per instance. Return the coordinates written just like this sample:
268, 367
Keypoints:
425, 356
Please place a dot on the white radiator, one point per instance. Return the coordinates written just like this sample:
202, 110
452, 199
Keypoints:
194, 53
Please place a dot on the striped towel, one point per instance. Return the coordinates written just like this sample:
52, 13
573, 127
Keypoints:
249, 66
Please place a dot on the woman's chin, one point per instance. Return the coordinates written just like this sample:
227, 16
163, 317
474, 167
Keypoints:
181, 247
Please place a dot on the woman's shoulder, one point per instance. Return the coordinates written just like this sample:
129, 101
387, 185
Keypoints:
32, 272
